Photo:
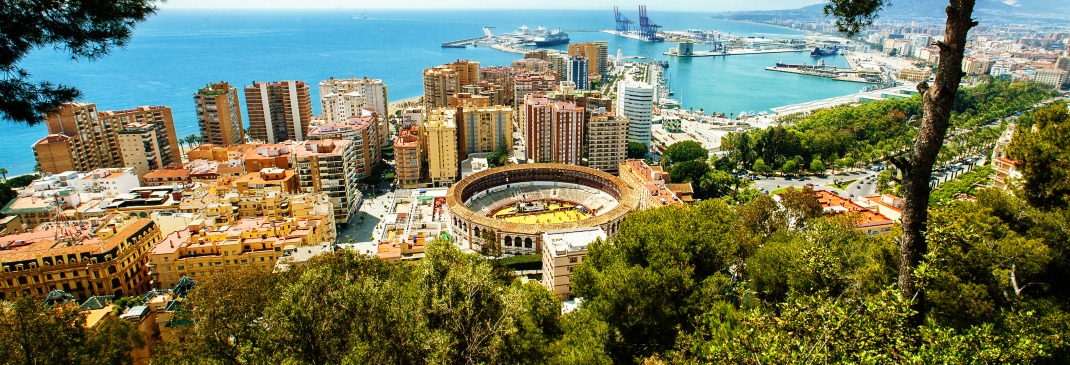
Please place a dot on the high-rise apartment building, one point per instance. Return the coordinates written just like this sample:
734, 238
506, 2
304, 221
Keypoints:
607, 141
93, 142
635, 100
159, 115
577, 72
408, 157
278, 111
484, 129
442, 148
364, 133
219, 114
441, 82
562, 250
533, 82
145, 147
344, 98
596, 52
554, 131
329, 166
504, 79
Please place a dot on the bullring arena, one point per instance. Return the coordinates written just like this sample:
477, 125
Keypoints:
521, 202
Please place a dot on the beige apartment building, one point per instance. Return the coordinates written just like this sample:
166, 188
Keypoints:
504, 78
563, 250
364, 133
145, 147
607, 142
408, 157
156, 115
1051, 76
104, 256
442, 162
199, 251
278, 111
553, 130
441, 82
596, 52
219, 114
329, 166
533, 82
345, 98
93, 142
483, 129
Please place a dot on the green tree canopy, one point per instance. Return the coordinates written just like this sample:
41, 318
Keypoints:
684, 151
84, 29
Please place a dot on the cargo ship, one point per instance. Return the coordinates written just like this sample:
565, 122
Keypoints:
551, 38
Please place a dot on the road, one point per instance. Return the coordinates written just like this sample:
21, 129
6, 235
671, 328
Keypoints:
864, 184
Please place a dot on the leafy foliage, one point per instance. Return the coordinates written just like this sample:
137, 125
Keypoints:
35, 333
637, 150
85, 29
1043, 156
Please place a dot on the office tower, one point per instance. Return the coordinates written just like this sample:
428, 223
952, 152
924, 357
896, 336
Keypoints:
278, 111
327, 166
596, 53
92, 142
219, 114
441, 82
344, 98
364, 133
577, 72
145, 147
159, 115
554, 131
442, 162
607, 141
484, 129
408, 157
635, 100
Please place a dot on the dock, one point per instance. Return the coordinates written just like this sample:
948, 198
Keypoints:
834, 73
736, 52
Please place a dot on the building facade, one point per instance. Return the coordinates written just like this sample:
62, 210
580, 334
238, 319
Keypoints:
219, 114
408, 157
607, 142
596, 52
577, 72
145, 147
562, 250
553, 131
364, 133
93, 142
442, 147
329, 166
484, 129
441, 82
84, 258
278, 111
345, 98
157, 115
635, 100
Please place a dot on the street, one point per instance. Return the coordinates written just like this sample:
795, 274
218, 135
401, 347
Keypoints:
864, 184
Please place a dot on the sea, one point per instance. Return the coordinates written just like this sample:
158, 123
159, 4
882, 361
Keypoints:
175, 52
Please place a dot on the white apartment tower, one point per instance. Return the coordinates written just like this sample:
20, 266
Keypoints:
344, 98
635, 100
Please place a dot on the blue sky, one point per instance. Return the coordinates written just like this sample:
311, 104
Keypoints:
660, 5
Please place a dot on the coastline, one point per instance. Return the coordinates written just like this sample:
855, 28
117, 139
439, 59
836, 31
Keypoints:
403, 103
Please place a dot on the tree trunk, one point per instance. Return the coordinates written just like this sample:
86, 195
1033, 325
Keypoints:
917, 169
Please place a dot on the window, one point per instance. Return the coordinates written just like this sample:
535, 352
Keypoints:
572, 260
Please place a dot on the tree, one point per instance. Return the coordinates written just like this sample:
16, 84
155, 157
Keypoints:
490, 246
637, 150
937, 102
760, 166
34, 333
684, 151
790, 166
3, 172
817, 166
85, 29
113, 339
688, 171
1041, 157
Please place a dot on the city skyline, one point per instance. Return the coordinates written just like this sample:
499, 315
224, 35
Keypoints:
670, 5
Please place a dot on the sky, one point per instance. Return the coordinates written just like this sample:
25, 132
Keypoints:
659, 5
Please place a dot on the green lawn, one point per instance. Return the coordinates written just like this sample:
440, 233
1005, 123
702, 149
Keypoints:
843, 185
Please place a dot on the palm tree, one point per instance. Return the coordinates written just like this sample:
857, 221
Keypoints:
3, 171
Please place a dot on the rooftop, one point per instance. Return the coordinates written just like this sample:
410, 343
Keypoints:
565, 241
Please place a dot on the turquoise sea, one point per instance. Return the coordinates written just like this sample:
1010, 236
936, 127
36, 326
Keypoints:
176, 52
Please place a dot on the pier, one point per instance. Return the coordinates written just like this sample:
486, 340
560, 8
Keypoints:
736, 52
462, 43
835, 73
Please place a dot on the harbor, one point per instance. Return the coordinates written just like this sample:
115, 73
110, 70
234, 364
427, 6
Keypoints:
835, 73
